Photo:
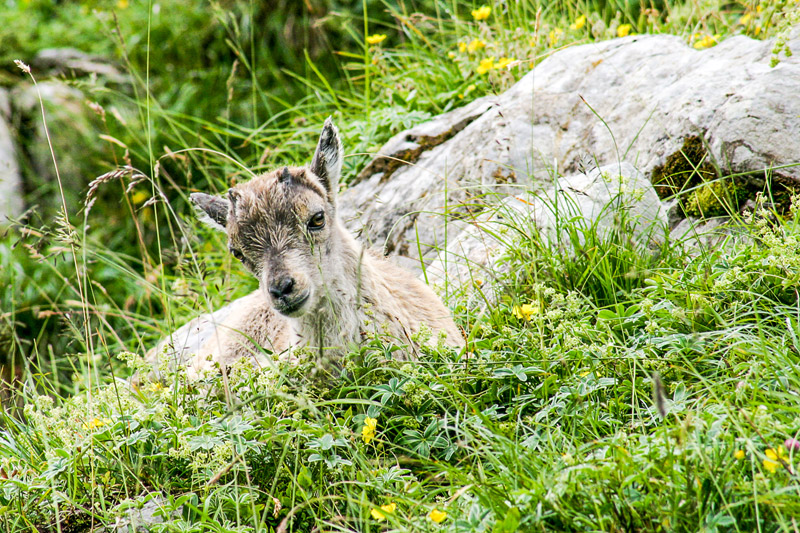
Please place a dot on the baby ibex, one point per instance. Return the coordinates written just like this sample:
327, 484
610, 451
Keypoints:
318, 287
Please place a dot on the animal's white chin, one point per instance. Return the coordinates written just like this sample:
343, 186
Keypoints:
293, 306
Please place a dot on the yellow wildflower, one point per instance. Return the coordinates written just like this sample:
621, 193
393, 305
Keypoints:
139, 197
437, 516
384, 510
482, 13
486, 65
579, 23
376, 38
525, 311
738, 455
451, 55
154, 387
774, 459
504, 62
95, 423
554, 36
122, 4
707, 41
475, 45
368, 431
462, 46
623, 30
470, 88
745, 19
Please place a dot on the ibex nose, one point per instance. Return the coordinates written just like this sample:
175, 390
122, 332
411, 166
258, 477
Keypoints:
281, 287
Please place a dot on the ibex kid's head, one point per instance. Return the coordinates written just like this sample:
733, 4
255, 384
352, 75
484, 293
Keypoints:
282, 225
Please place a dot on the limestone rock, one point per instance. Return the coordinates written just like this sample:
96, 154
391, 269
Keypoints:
593, 199
652, 91
698, 235
11, 203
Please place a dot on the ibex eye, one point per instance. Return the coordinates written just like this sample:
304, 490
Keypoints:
237, 254
316, 222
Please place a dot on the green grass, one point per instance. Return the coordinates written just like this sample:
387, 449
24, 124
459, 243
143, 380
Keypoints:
550, 423
648, 387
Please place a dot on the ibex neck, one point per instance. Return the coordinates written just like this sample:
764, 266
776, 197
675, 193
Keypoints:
336, 323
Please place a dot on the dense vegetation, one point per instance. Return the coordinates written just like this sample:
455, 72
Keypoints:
614, 385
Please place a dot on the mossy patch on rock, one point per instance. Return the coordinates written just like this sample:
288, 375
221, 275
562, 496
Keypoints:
718, 198
688, 167
689, 176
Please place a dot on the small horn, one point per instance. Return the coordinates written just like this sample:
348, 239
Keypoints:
285, 175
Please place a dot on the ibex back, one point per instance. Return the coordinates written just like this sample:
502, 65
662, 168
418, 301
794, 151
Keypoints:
318, 287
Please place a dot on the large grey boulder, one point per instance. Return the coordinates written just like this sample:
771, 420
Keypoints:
652, 92
11, 203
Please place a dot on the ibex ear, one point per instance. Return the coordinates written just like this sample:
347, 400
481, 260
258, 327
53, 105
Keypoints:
327, 162
212, 210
